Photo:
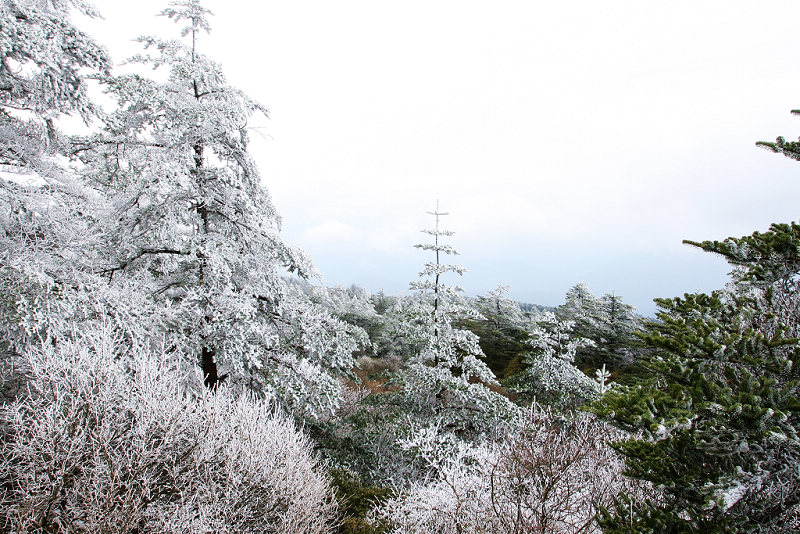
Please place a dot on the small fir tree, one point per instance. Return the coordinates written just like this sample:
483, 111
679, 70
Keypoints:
446, 347
550, 376
442, 389
448, 374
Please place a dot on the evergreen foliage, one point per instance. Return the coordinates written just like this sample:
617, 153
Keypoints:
790, 149
717, 420
447, 378
550, 376
501, 330
763, 258
44, 63
356, 501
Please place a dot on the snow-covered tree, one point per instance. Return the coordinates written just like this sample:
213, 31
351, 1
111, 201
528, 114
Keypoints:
620, 317
609, 322
446, 347
502, 329
442, 384
503, 313
618, 346
47, 232
550, 376
192, 222
448, 376
581, 307
44, 62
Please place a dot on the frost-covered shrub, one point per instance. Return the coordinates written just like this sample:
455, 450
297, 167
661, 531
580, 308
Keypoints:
113, 442
551, 477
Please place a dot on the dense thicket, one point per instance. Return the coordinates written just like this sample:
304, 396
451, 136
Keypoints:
110, 437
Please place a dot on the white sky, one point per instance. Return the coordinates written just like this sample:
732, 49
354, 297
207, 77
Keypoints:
570, 141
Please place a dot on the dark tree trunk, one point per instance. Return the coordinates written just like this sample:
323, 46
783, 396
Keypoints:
209, 367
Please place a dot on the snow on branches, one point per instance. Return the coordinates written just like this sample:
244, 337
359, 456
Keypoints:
192, 222
448, 373
551, 376
109, 437
551, 476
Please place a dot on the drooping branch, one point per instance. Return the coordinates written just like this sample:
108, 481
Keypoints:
142, 253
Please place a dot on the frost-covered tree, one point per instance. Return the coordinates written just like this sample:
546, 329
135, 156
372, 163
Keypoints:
502, 312
44, 62
193, 224
502, 329
581, 307
370, 312
550, 376
442, 385
618, 344
46, 259
445, 347
448, 376
621, 317
47, 232
609, 322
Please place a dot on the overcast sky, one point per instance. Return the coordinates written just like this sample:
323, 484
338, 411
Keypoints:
569, 141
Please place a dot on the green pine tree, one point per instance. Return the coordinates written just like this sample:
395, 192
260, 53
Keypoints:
716, 421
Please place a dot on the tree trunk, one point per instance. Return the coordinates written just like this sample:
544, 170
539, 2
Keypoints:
209, 367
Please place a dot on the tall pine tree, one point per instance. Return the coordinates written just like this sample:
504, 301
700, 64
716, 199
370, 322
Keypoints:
193, 223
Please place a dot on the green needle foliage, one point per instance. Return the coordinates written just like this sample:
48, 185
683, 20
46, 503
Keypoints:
790, 149
716, 420
767, 257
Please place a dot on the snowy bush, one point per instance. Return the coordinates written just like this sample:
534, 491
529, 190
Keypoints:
111, 442
551, 477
